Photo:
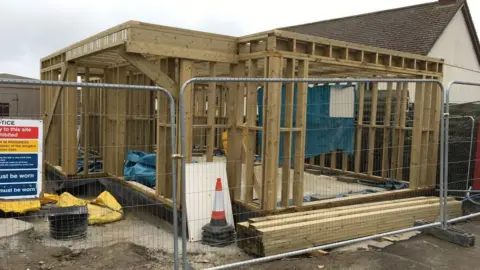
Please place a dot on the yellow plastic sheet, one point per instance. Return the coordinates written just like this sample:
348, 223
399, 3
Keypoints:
104, 209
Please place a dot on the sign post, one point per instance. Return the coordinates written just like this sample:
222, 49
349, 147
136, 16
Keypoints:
21, 158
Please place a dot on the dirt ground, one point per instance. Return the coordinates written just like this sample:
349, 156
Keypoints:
29, 250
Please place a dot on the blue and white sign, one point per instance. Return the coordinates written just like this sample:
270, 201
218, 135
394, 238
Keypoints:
21, 159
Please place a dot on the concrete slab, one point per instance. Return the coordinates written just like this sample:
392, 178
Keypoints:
11, 226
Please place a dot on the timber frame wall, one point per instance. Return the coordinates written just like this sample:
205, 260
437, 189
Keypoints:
113, 122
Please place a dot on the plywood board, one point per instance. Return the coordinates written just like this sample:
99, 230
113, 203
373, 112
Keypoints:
200, 194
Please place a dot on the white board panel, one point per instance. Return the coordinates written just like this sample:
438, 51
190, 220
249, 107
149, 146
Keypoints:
200, 191
342, 102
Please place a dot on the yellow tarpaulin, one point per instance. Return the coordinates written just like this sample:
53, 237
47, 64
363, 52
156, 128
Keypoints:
22, 207
19, 207
104, 209
225, 139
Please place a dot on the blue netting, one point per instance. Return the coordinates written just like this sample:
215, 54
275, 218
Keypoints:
324, 133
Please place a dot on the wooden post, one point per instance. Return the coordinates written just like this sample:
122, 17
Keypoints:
434, 135
211, 113
251, 134
161, 142
372, 128
300, 122
386, 131
235, 137
186, 73
121, 121
358, 141
426, 123
69, 124
287, 136
271, 121
396, 130
415, 160
86, 122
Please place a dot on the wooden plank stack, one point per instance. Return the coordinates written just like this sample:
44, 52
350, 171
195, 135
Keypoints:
287, 232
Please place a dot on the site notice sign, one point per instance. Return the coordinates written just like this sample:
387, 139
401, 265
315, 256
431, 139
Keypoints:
21, 160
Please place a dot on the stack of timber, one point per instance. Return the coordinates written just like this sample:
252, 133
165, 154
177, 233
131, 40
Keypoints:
276, 234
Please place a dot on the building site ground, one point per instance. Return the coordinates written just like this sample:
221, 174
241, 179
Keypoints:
33, 249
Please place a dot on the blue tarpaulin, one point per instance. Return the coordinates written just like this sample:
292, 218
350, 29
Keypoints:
140, 167
324, 133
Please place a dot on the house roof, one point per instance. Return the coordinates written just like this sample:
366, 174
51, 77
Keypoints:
413, 29
11, 76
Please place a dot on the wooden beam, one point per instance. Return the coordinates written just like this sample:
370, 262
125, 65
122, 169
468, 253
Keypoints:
151, 71
69, 124
299, 142
180, 52
56, 97
271, 121
287, 136
358, 141
161, 188
251, 134
386, 131
395, 132
211, 113
371, 131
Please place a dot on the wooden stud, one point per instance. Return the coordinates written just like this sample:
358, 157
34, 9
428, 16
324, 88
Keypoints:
287, 136
358, 140
69, 124
251, 134
271, 121
427, 102
395, 130
56, 98
161, 142
333, 159
121, 121
186, 73
299, 142
415, 161
372, 127
387, 130
401, 131
434, 135
212, 109
86, 122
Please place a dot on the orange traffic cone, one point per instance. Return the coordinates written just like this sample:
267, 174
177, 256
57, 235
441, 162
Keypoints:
218, 232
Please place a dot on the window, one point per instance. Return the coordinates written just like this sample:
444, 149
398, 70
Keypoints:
4, 109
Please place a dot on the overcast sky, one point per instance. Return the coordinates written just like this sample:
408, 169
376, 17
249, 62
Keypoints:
31, 29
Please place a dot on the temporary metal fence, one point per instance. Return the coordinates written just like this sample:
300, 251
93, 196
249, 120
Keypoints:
452, 138
94, 171
381, 126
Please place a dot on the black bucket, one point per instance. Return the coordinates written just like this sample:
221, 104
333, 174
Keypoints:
68, 223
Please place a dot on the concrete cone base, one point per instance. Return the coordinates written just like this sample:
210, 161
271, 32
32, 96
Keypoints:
218, 236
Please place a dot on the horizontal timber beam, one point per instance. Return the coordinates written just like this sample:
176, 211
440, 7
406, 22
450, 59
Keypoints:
180, 52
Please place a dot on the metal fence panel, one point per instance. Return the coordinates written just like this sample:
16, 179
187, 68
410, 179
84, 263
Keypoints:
361, 137
118, 131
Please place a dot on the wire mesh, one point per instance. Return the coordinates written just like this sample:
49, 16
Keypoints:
100, 144
363, 140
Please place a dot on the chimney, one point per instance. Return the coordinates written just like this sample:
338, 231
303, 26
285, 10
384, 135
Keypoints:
447, 2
